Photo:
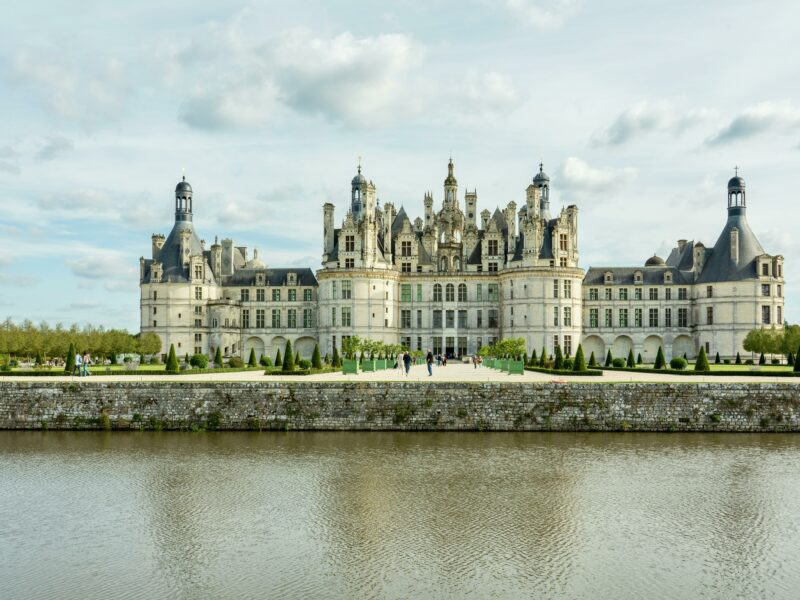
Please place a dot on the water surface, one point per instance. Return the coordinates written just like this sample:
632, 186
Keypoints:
92, 515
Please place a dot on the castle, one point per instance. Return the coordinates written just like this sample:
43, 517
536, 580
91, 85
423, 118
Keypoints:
456, 280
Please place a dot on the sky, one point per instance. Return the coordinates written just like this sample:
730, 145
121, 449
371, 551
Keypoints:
639, 111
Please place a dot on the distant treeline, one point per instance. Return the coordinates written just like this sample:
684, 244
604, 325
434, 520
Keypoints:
27, 340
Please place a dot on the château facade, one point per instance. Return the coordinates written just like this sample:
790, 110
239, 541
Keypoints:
458, 279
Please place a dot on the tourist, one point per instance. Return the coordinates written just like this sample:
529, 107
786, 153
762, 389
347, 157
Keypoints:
78, 361
399, 364
86, 360
474, 361
407, 362
429, 361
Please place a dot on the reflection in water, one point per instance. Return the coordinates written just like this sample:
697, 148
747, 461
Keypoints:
398, 515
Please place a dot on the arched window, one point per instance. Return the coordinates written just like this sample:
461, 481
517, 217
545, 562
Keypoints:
437, 292
443, 237
450, 292
444, 264
457, 236
462, 292
456, 264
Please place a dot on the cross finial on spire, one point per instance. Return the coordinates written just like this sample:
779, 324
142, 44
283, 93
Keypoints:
541, 165
736, 170
359, 164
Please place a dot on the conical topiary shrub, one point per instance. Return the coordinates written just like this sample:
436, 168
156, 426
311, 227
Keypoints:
558, 363
579, 364
762, 360
534, 359
609, 358
592, 360
797, 361
251, 362
218, 358
278, 359
316, 361
336, 362
738, 358
661, 362
631, 364
701, 364
297, 357
288, 357
69, 361
543, 358
639, 358
113, 358
790, 359
717, 359
173, 366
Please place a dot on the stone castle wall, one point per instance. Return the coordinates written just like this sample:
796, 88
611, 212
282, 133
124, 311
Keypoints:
401, 406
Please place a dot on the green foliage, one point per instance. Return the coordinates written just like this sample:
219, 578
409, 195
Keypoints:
558, 363
266, 361
639, 358
631, 364
797, 361
350, 346
579, 364
762, 360
660, 360
609, 358
251, 361
39, 361
336, 361
237, 363
218, 359
678, 363
701, 364
534, 360
738, 359
790, 359
69, 362
592, 360
199, 360
506, 348
172, 360
304, 364
278, 360
543, 357
316, 361
155, 360
618, 363
717, 359
288, 357
297, 357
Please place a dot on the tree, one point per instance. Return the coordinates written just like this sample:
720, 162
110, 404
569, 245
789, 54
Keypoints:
534, 359
172, 361
790, 359
278, 360
218, 359
762, 360
251, 362
316, 361
149, 343
660, 360
797, 361
543, 358
69, 361
630, 363
336, 362
592, 360
558, 363
609, 358
288, 357
579, 364
297, 357
701, 364
738, 358
113, 358
39, 360
639, 358
716, 359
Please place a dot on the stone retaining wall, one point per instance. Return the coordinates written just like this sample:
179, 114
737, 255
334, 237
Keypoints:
401, 406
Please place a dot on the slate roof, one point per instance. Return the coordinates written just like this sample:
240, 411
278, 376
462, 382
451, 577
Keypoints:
274, 277
169, 255
625, 275
719, 266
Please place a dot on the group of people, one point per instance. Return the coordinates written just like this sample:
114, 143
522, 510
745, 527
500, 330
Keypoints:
403, 364
82, 362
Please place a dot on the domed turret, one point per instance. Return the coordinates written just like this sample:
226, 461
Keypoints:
254, 263
183, 200
655, 261
736, 200
450, 186
541, 177
357, 190
542, 181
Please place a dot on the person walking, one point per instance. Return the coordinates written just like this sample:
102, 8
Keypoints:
86, 361
78, 364
407, 362
399, 364
429, 361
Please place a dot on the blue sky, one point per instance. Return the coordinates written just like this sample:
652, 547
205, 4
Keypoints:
639, 110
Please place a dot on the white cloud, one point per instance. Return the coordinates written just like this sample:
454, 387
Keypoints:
53, 147
482, 93
576, 174
18, 280
542, 14
758, 119
647, 117
9, 160
80, 90
107, 265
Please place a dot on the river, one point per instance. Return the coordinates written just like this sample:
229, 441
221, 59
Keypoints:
98, 515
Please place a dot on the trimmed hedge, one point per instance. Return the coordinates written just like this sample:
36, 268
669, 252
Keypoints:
704, 373
586, 373
100, 371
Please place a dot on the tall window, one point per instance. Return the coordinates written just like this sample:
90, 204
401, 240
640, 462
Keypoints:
608, 293
334, 293
462, 292
493, 292
778, 315
246, 319
292, 295
419, 292
291, 318
437, 319
349, 263
346, 316
405, 248
260, 295
492, 316
609, 318
709, 315
594, 317
349, 243
567, 345
479, 292
450, 319
405, 267
480, 318
333, 316
567, 316
493, 267
683, 317
244, 294
198, 293
419, 319
437, 292
307, 295
668, 293
555, 288
652, 317
555, 315
637, 294
405, 319
709, 291
260, 318
450, 292
765, 315
593, 294
623, 293
637, 317
653, 293
405, 292
667, 317
308, 321
562, 262
347, 290
198, 272
567, 288
623, 317
765, 289
276, 295
276, 318
492, 247
681, 293
765, 270
562, 241
462, 319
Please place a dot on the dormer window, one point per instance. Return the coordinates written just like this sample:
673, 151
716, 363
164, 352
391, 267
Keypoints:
668, 277
291, 279
637, 277
609, 277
